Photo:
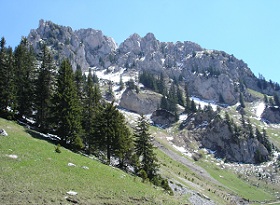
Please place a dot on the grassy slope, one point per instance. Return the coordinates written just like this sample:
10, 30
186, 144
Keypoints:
41, 176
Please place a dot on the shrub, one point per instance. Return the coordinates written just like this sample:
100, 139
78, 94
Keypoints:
57, 148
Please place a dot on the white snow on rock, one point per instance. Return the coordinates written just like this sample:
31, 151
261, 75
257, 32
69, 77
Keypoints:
204, 103
259, 109
181, 149
183, 117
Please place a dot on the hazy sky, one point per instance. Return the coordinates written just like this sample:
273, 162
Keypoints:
248, 29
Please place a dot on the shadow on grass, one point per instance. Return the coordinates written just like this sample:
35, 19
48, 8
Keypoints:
38, 135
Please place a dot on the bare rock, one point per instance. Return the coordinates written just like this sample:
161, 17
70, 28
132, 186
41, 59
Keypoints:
144, 102
163, 118
271, 114
213, 133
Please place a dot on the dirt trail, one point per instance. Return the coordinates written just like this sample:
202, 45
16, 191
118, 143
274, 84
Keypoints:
183, 160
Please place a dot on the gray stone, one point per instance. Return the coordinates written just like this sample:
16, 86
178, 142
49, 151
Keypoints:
144, 102
3, 132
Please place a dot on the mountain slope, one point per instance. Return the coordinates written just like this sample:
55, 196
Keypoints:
39, 175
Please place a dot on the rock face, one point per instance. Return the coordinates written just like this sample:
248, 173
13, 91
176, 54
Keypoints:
144, 102
163, 118
85, 47
214, 134
271, 114
209, 74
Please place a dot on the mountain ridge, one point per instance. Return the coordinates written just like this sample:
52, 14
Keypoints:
210, 74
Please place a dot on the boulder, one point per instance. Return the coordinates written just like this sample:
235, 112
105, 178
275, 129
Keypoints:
271, 114
3, 132
144, 102
163, 118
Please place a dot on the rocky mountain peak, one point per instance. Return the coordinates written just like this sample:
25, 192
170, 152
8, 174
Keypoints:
209, 74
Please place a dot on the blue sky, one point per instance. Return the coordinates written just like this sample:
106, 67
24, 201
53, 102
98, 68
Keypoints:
248, 29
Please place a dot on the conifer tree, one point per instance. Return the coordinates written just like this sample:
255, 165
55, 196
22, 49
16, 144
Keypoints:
91, 105
3, 73
276, 99
7, 86
180, 97
241, 100
144, 149
66, 108
111, 134
193, 106
25, 77
161, 85
44, 90
80, 81
188, 102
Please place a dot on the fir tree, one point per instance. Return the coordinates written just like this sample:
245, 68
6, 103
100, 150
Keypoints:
25, 77
161, 85
265, 99
121, 83
180, 97
66, 107
3, 74
276, 99
44, 90
241, 100
144, 149
193, 106
188, 102
80, 81
91, 106
111, 133
7, 77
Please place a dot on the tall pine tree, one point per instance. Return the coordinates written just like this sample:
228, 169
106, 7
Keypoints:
44, 89
67, 108
91, 106
144, 149
111, 133
25, 77
7, 85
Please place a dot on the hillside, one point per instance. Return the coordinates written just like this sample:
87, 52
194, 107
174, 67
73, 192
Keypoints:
214, 123
32, 172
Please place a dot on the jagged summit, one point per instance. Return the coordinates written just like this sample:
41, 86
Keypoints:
210, 74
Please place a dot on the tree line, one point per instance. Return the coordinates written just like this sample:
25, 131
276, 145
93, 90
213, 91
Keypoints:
70, 105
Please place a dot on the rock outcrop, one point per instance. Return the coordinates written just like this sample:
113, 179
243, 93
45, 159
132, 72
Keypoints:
144, 102
163, 118
84, 47
271, 114
213, 133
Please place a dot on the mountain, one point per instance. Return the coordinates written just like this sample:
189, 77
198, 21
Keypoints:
215, 146
210, 74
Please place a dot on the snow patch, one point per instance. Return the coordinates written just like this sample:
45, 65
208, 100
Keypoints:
181, 149
169, 138
259, 109
183, 117
204, 103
